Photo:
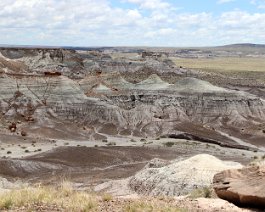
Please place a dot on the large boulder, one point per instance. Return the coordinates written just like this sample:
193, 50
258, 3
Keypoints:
244, 187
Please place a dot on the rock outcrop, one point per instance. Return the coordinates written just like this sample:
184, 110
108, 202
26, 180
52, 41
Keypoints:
178, 177
245, 187
152, 107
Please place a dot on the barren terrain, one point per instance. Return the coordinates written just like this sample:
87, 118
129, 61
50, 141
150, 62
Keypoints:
130, 117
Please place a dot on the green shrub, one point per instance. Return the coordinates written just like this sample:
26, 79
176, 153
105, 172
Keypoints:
204, 192
169, 144
111, 144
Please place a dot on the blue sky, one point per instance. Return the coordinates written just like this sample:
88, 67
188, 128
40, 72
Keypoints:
196, 6
132, 22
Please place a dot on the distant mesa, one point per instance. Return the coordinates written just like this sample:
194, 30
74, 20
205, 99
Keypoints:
246, 45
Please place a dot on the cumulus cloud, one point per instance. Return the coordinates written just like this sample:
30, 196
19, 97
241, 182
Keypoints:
99, 23
259, 3
151, 4
224, 1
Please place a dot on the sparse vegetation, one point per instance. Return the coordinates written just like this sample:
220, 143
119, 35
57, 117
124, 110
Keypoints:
201, 192
65, 198
107, 197
139, 206
111, 144
229, 64
48, 197
169, 144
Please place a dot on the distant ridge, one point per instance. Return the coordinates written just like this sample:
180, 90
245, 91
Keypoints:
127, 49
28, 46
54, 47
247, 45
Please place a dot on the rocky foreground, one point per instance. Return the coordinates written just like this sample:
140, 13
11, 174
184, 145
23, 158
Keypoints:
243, 186
159, 186
65, 198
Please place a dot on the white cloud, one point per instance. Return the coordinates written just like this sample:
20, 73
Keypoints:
96, 23
260, 4
151, 4
224, 1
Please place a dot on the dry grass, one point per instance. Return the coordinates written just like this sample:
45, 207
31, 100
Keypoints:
230, 64
64, 198
107, 197
147, 206
205, 192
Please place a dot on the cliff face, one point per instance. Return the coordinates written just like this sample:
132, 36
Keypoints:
107, 103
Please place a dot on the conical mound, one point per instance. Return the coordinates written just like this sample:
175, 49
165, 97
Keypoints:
153, 82
196, 85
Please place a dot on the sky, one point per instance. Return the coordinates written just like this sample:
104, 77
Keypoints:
173, 23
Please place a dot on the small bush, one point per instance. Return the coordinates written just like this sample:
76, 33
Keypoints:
9, 152
105, 141
107, 197
111, 144
7, 204
169, 144
27, 151
201, 192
